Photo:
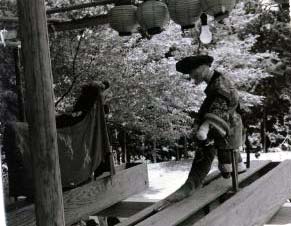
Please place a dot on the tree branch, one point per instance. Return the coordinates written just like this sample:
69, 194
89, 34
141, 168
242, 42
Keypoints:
75, 77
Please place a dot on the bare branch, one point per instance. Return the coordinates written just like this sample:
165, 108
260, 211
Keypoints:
75, 77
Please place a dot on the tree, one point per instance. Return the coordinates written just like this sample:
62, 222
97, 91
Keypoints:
145, 90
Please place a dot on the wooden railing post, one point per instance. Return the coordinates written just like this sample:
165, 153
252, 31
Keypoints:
40, 115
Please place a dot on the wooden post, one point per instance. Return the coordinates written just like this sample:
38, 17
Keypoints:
265, 148
123, 145
40, 115
154, 151
263, 132
185, 147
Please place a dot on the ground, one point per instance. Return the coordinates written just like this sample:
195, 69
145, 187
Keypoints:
166, 177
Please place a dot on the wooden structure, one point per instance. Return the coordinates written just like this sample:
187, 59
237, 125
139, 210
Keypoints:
94, 197
263, 189
90, 198
49, 200
41, 113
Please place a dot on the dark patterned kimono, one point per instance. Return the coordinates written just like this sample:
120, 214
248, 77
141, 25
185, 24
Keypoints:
220, 109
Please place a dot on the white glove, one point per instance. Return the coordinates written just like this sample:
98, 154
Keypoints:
203, 131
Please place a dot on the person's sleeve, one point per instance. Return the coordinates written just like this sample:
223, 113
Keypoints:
218, 115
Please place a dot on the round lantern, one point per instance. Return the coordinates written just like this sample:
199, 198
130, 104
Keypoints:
153, 16
123, 19
184, 12
218, 8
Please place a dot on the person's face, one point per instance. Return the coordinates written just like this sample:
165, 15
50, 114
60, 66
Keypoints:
199, 74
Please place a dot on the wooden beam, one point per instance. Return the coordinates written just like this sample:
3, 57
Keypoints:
15, 20
80, 23
9, 19
80, 6
255, 204
41, 113
87, 5
56, 25
139, 216
124, 209
128, 208
282, 217
178, 212
91, 198
13, 44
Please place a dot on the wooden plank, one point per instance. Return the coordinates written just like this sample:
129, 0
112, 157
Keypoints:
178, 212
91, 198
13, 44
80, 6
56, 25
15, 20
255, 204
48, 196
85, 22
124, 209
138, 217
282, 217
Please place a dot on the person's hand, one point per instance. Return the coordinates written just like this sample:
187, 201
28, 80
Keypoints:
203, 131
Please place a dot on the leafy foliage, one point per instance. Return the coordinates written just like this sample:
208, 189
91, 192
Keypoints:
146, 93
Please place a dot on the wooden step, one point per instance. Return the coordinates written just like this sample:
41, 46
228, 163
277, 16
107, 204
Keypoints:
130, 207
282, 217
256, 203
90, 198
178, 212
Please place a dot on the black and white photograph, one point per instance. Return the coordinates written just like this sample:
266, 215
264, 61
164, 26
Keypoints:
145, 112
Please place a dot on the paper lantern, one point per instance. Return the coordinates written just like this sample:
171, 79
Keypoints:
123, 19
218, 8
184, 12
153, 16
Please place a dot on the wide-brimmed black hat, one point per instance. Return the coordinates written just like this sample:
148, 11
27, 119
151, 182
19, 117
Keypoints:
189, 63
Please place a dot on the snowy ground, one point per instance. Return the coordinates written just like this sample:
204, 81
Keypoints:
166, 177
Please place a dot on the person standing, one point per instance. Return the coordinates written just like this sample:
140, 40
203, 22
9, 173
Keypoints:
218, 121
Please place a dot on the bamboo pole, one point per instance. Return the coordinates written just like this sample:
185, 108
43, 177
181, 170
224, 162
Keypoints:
40, 115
